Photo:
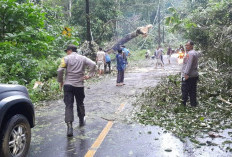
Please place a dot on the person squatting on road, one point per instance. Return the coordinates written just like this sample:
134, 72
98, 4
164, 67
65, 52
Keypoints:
108, 62
73, 86
147, 54
189, 75
100, 59
120, 68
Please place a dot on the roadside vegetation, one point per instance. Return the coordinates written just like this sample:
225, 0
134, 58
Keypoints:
208, 24
162, 105
31, 44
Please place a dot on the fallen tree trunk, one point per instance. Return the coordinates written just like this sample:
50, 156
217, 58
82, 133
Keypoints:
90, 49
139, 31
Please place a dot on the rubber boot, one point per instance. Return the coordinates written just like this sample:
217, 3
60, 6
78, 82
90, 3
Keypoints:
81, 121
70, 129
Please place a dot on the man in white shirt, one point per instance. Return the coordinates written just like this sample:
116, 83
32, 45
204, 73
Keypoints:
158, 56
100, 59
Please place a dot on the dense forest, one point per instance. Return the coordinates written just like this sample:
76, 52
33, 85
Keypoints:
34, 33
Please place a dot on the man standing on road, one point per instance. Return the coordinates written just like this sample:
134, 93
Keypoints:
126, 53
108, 62
189, 75
169, 53
120, 68
100, 59
158, 56
73, 86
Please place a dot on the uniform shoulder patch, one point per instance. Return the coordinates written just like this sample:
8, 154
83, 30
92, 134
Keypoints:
62, 64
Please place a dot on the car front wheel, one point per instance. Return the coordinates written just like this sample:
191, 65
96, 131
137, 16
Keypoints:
16, 137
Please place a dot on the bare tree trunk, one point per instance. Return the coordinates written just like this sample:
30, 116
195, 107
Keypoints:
41, 2
70, 8
116, 22
88, 22
159, 38
163, 34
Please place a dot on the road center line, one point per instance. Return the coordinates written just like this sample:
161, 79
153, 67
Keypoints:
102, 135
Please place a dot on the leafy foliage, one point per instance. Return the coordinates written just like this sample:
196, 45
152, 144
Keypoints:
102, 14
48, 91
209, 27
214, 31
31, 44
27, 15
162, 105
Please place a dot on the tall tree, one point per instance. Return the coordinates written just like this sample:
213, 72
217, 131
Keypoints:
163, 34
159, 36
70, 8
88, 21
102, 14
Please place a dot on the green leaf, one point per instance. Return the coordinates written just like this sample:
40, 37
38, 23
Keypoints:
168, 20
202, 118
171, 9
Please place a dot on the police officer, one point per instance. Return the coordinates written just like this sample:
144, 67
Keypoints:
190, 75
73, 86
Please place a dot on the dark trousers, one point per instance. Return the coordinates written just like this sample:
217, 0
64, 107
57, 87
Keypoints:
120, 76
108, 63
189, 89
162, 60
69, 93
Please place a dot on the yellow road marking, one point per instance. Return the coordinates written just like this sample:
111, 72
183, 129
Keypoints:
102, 135
120, 108
99, 140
